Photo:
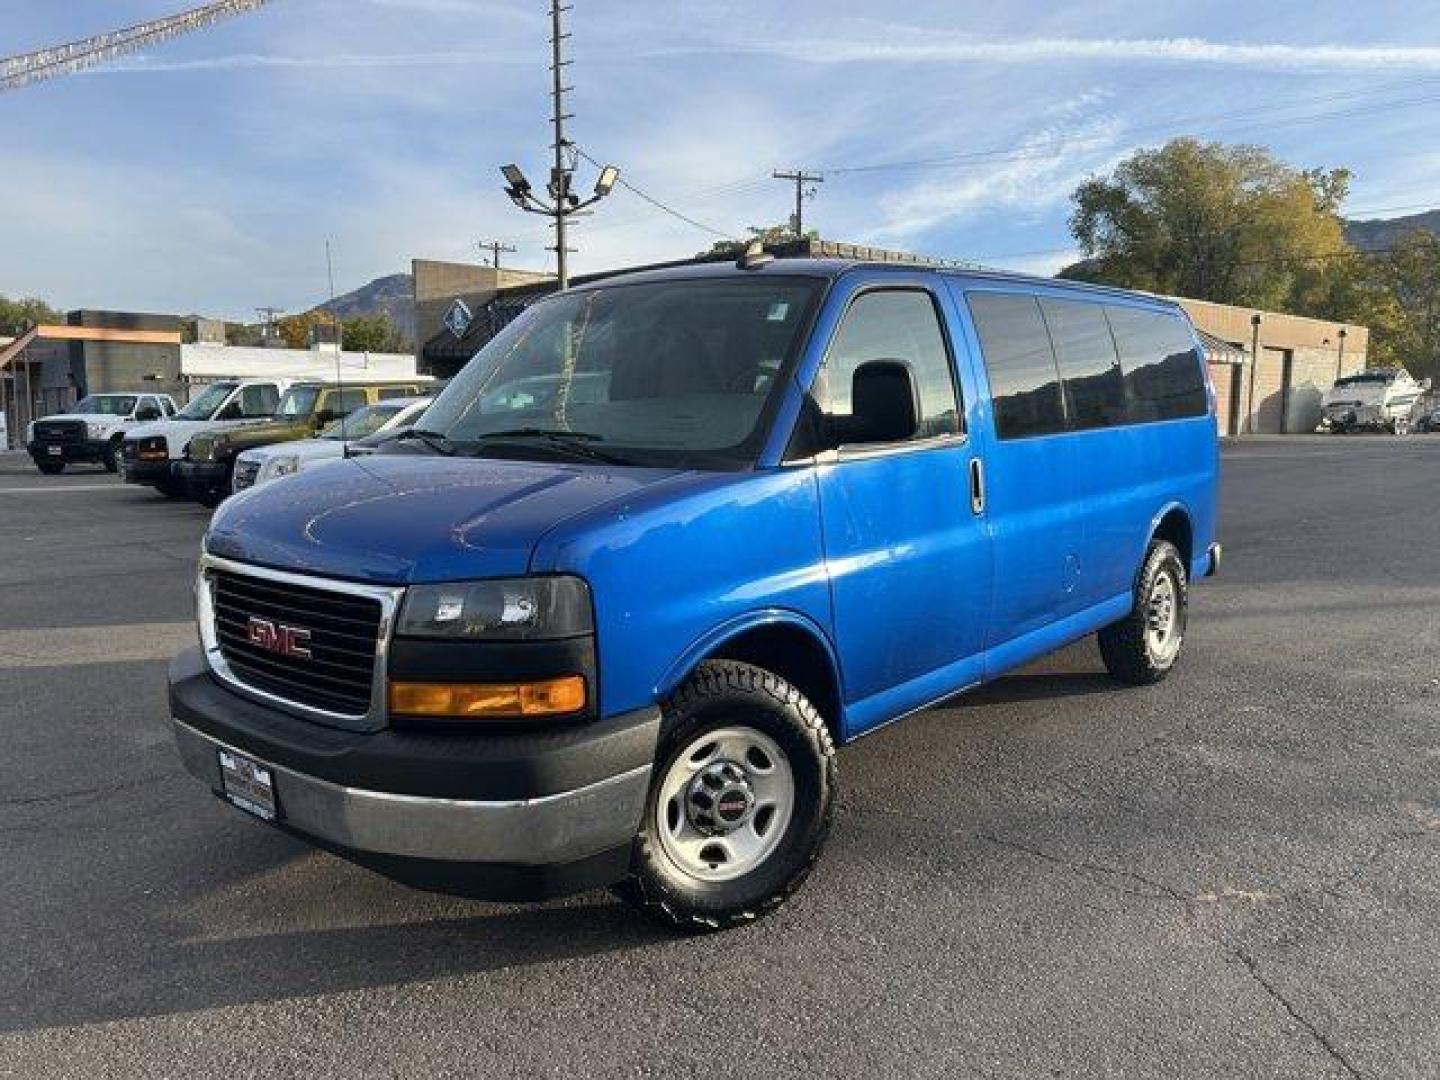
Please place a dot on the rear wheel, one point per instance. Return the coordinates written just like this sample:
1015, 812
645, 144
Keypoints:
1141, 648
114, 460
740, 801
50, 468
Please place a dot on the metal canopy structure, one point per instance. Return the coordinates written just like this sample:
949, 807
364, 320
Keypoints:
27, 68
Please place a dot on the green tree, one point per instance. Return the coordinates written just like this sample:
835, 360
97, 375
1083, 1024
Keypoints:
766, 234
17, 316
1232, 224
370, 333
1410, 274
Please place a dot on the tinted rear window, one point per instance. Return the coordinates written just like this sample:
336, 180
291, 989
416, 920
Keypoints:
1161, 365
1024, 382
1089, 365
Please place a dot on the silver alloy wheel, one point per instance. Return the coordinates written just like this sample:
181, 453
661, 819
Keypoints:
724, 804
1164, 621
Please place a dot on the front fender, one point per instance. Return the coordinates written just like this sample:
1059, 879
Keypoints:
709, 642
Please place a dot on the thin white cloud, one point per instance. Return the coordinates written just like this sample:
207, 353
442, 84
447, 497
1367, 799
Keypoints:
909, 45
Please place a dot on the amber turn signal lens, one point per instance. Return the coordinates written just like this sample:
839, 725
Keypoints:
499, 701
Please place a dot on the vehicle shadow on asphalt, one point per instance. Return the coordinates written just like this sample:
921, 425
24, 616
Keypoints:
158, 965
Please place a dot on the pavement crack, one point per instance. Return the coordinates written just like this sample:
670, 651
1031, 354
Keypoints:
1253, 969
1153, 888
80, 793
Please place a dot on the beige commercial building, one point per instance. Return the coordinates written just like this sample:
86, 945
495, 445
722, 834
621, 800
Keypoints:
1299, 359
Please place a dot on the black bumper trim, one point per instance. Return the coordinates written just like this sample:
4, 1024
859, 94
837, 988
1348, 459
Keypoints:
89, 450
449, 764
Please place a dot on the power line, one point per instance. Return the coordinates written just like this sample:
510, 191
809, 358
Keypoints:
657, 203
26, 68
496, 248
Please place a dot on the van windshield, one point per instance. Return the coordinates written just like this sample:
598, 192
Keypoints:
204, 406
674, 373
298, 401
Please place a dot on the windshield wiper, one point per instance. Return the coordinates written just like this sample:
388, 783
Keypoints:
574, 442
433, 439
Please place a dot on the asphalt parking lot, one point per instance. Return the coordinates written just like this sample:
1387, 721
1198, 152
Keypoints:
1235, 873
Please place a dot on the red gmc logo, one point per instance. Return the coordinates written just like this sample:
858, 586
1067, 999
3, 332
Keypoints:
278, 638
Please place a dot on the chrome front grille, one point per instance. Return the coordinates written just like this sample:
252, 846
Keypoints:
60, 431
311, 644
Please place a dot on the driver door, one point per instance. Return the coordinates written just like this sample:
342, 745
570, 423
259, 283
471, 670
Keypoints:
905, 544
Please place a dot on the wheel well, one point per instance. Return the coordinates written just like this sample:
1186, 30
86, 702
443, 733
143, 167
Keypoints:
1175, 527
798, 658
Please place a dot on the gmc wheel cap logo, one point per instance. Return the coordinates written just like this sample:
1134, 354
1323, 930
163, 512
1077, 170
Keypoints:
292, 641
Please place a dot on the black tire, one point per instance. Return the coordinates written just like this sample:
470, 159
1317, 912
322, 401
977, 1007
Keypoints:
50, 468
113, 454
724, 694
1127, 647
169, 490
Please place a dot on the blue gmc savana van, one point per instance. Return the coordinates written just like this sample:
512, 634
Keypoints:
672, 537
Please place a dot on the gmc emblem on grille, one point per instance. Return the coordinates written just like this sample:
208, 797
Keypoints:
291, 641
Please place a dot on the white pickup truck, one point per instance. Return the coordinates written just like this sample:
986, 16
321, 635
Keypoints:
92, 430
153, 451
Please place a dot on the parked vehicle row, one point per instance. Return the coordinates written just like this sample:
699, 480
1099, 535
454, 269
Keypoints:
193, 455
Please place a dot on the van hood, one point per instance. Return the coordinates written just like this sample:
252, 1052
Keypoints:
402, 519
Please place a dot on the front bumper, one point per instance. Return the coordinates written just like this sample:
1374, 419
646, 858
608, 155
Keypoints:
149, 471
199, 479
88, 450
496, 815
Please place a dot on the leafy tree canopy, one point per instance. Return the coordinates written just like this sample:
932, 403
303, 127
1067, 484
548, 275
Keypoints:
1231, 224
17, 316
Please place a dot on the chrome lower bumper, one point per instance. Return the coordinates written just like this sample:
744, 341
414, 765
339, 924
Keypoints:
532, 832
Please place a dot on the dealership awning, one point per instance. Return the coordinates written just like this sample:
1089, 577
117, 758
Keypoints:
1219, 351
84, 333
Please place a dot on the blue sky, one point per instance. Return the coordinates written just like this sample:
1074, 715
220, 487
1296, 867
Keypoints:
206, 174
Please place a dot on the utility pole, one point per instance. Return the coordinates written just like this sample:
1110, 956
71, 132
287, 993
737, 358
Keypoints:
563, 204
496, 249
800, 178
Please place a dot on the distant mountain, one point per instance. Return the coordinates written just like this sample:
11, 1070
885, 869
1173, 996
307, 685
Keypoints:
393, 296
1379, 233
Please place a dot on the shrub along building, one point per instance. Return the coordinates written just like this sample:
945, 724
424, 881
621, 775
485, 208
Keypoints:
1298, 358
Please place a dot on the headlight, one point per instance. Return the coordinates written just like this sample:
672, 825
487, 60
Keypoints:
283, 465
522, 609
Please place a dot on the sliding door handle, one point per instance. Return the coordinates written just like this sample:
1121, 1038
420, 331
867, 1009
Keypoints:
977, 486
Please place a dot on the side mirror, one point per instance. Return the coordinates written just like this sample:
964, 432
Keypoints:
326, 416
884, 405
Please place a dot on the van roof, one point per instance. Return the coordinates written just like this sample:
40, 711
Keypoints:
835, 268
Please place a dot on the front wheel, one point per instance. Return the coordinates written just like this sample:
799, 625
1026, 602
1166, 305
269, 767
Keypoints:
1142, 647
114, 460
740, 801
50, 468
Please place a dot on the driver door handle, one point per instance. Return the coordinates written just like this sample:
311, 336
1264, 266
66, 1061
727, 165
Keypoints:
977, 486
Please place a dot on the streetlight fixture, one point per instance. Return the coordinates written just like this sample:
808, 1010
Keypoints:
563, 202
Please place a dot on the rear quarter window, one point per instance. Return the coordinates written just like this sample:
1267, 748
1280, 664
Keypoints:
1161, 365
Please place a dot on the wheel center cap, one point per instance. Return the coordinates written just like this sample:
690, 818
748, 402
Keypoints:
719, 799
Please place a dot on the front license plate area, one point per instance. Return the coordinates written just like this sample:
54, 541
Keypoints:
54, 451
248, 784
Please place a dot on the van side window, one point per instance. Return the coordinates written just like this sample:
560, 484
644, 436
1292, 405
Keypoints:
1024, 381
1089, 365
262, 399
388, 392
892, 324
1161, 365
